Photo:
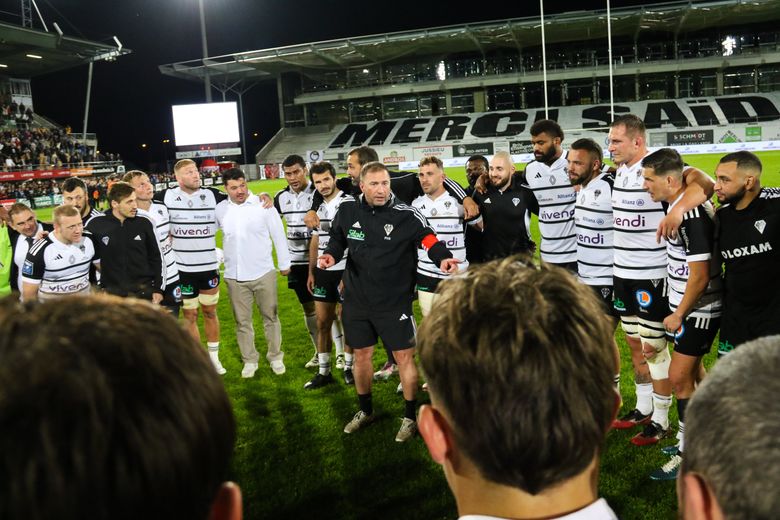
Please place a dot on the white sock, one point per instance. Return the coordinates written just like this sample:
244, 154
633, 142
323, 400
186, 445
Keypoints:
338, 336
681, 437
616, 382
213, 346
324, 360
644, 398
348, 361
661, 405
311, 324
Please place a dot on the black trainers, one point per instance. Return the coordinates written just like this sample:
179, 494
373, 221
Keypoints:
631, 419
318, 381
652, 433
348, 377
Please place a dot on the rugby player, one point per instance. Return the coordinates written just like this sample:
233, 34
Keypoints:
23, 232
640, 273
382, 236
74, 193
158, 214
694, 288
59, 263
748, 237
476, 165
324, 284
193, 230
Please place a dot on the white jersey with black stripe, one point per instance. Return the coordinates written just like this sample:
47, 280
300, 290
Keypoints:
59, 269
193, 227
594, 222
556, 198
637, 254
694, 243
161, 220
326, 212
293, 207
445, 216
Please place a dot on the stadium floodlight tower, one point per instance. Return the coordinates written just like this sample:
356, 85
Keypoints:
204, 42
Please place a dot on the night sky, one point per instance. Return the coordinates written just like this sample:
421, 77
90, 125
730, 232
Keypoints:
131, 99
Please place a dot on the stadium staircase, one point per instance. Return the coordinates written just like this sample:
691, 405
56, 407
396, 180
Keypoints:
296, 140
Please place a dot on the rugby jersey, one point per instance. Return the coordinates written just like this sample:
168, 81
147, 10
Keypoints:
326, 212
293, 207
637, 254
694, 243
193, 227
556, 198
92, 214
59, 269
445, 217
593, 222
161, 221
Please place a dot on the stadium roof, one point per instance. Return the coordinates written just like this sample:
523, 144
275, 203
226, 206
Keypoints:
19, 47
347, 53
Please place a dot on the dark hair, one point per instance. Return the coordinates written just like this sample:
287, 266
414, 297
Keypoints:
120, 191
292, 160
72, 183
745, 160
535, 412
480, 158
109, 410
547, 126
365, 154
17, 208
320, 168
232, 174
633, 124
590, 146
664, 161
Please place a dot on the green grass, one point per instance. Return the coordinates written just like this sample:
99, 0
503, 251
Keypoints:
292, 459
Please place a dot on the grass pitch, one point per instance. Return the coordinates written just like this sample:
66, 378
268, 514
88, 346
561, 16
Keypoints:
293, 461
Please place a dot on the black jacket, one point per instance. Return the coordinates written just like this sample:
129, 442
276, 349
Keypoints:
14, 237
382, 260
130, 257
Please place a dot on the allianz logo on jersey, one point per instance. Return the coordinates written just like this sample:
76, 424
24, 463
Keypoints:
637, 222
739, 252
633, 202
596, 240
590, 220
557, 215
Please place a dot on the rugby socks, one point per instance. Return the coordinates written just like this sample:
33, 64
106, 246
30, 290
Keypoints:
213, 346
616, 382
311, 324
324, 362
366, 404
644, 398
411, 409
338, 336
348, 361
661, 405
682, 404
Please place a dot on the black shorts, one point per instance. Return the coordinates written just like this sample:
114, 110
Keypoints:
741, 324
326, 285
644, 299
296, 280
605, 294
362, 327
427, 283
172, 295
192, 283
695, 336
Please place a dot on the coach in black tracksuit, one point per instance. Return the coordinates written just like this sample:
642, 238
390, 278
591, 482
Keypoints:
383, 237
130, 259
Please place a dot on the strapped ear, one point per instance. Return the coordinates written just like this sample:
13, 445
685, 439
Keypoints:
227, 503
435, 432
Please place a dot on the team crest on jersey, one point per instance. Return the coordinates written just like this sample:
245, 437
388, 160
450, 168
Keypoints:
27, 268
552, 181
72, 260
644, 299
447, 204
104, 240
516, 201
160, 212
760, 225
596, 193
389, 228
82, 248
189, 203
202, 196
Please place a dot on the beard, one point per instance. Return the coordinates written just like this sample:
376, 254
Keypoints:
734, 199
546, 157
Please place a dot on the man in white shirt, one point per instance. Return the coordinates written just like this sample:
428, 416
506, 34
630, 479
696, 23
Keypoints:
248, 230
495, 440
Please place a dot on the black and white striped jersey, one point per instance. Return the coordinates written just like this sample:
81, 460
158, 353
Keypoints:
326, 212
637, 254
293, 207
445, 216
594, 225
161, 221
694, 243
59, 269
92, 214
193, 226
556, 198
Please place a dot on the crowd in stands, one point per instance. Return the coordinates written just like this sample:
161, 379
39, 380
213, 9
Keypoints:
28, 189
19, 113
41, 148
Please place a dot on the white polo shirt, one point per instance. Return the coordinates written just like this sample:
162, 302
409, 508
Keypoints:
248, 230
